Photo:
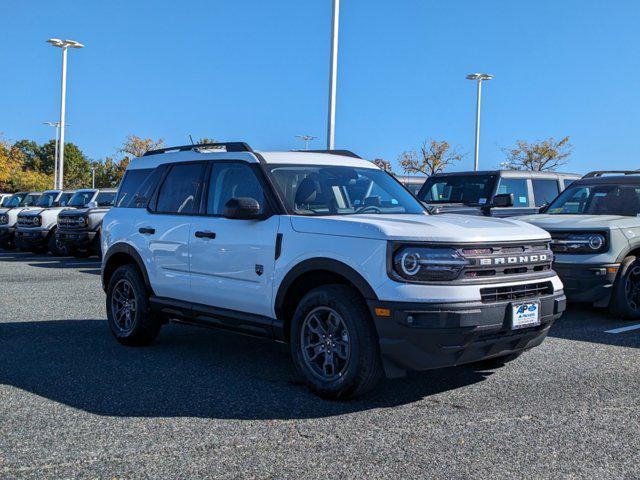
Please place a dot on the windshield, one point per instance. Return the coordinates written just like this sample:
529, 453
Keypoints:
64, 199
327, 190
80, 199
598, 200
106, 199
47, 199
465, 189
29, 200
15, 200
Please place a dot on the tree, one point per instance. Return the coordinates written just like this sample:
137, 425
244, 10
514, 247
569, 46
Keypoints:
383, 164
135, 146
77, 168
433, 157
541, 156
15, 171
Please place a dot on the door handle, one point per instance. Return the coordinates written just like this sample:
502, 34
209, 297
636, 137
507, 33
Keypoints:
147, 230
201, 234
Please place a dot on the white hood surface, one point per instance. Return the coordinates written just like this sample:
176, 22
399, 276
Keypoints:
577, 222
446, 228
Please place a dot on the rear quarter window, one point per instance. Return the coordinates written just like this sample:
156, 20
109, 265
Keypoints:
136, 187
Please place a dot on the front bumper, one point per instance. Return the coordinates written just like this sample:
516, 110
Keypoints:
422, 336
79, 240
587, 283
7, 233
32, 238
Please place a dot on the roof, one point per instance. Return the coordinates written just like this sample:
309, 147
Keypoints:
276, 158
511, 173
609, 180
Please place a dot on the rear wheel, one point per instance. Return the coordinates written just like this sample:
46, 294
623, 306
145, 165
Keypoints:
128, 313
625, 298
334, 343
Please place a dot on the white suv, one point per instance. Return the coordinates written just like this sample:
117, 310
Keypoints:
326, 252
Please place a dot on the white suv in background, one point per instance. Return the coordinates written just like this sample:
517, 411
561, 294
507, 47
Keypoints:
326, 252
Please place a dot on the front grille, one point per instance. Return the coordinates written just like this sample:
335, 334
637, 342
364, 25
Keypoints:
69, 222
505, 260
29, 221
515, 292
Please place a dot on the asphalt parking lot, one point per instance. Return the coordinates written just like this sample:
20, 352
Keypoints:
199, 402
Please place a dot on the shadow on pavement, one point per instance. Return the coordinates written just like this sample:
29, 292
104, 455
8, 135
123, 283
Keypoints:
83, 265
587, 324
189, 371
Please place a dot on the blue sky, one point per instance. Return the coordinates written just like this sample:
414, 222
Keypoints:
258, 71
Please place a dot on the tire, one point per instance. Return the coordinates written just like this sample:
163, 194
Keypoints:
495, 362
339, 311
625, 295
139, 326
56, 247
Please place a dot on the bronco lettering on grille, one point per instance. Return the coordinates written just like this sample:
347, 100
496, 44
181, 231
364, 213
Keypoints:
543, 257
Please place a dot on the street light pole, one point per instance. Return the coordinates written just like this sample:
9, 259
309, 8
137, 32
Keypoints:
64, 45
479, 78
306, 139
93, 175
333, 75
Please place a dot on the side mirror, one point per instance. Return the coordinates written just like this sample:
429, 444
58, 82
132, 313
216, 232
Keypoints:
502, 200
242, 208
92, 205
543, 208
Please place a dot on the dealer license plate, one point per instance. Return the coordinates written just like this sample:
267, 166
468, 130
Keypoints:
525, 315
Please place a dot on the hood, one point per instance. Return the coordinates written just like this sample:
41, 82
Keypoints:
446, 228
578, 222
32, 211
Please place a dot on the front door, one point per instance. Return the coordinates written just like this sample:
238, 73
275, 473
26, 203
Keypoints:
232, 260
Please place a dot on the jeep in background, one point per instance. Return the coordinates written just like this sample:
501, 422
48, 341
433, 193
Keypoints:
9, 216
37, 225
595, 231
499, 193
326, 252
79, 228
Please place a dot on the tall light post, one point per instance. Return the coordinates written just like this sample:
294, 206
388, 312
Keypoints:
93, 174
333, 75
55, 152
306, 139
479, 78
64, 45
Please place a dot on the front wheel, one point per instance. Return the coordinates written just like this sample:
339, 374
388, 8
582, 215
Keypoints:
56, 246
625, 297
334, 343
128, 312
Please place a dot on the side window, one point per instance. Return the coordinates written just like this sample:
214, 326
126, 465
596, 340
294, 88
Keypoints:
232, 180
180, 191
544, 191
517, 186
131, 184
105, 199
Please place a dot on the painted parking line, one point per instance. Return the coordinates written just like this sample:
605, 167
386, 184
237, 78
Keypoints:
624, 329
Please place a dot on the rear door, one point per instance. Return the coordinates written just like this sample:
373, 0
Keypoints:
164, 229
232, 260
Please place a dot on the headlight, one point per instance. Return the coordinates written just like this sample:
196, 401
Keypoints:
37, 221
82, 221
4, 219
594, 242
427, 264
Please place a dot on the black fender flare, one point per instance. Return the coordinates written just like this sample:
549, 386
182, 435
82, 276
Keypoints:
127, 249
326, 264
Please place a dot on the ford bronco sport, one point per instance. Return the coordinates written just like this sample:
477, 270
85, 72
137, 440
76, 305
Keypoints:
9, 216
595, 231
326, 252
79, 228
498, 193
37, 225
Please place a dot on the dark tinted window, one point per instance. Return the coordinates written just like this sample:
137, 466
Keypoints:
47, 200
517, 186
81, 198
466, 189
544, 191
64, 199
598, 200
180, 190
30, 200
132, 192
105, 199
232, 180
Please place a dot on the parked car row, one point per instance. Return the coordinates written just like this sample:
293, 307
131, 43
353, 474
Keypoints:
62, 222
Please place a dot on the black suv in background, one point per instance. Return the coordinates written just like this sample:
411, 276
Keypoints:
499, 193
79, 229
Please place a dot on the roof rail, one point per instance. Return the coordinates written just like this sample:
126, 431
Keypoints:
600, 173
228, 146
344, 153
